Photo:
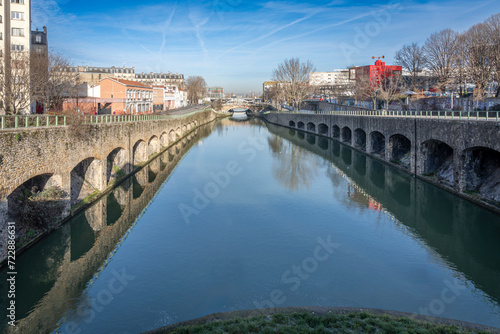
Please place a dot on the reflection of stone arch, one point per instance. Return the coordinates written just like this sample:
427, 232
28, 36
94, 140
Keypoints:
360, 139
154, 146
116, 166
86, 178
140, 152
482, 172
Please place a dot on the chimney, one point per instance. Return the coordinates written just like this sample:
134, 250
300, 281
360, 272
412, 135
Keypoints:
44, 30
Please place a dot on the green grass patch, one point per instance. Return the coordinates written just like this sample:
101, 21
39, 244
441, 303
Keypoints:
305, 322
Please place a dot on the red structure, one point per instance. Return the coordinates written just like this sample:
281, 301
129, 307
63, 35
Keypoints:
377, 74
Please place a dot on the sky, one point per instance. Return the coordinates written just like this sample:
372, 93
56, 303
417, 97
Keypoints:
236, 44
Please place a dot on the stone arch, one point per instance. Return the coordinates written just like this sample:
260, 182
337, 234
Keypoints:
323, 129
154, 146
42, 192
311, 127
399, 150
360, 139
116, 164
482, 172
346, 135
184, 129
300, 125
437, 158
377, 146
178, 132
86, 179
189, 126
140, 152
291, 124
164, 139
336, 131
171, 137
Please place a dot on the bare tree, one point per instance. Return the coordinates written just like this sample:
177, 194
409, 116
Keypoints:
293, 80
479, 55
15, 83
52, 81
390, 89
492, 26
440, 51
411, 57
196, 86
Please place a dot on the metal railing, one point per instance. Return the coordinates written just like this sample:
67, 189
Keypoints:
445, 115
35, 121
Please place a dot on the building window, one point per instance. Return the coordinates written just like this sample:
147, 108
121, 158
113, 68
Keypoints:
17, 1
17, 32
17, 47
17, 15
38, 39
1, 35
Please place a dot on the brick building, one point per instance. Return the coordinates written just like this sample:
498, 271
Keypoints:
126, 96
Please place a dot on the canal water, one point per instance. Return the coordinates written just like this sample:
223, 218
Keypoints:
244, 215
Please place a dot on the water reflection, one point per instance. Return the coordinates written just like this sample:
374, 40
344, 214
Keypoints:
463, 234
292, 166
54, 274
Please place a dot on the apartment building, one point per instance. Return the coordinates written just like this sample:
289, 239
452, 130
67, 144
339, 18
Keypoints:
15, 33
334, 78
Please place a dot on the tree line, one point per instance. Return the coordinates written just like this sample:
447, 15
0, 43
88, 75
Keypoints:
456, 59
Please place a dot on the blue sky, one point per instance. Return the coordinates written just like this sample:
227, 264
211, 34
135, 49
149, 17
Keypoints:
236, 44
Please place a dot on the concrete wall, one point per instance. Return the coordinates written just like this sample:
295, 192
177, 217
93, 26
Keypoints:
463, 156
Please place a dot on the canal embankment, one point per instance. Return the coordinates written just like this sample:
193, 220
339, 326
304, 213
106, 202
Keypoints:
461, 156
49, 174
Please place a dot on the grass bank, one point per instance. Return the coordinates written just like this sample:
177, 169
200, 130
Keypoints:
324, 321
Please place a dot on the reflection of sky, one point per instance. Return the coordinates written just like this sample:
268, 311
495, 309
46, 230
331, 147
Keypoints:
236, 44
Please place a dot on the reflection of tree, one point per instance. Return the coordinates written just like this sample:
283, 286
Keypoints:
293, 167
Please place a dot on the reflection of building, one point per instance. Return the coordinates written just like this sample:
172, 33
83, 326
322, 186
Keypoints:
215, 93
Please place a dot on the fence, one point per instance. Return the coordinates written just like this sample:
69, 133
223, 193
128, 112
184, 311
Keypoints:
446, 115
35, 121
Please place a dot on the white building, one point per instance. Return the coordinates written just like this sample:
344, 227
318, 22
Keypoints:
15, 34
174, 97
334, 78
